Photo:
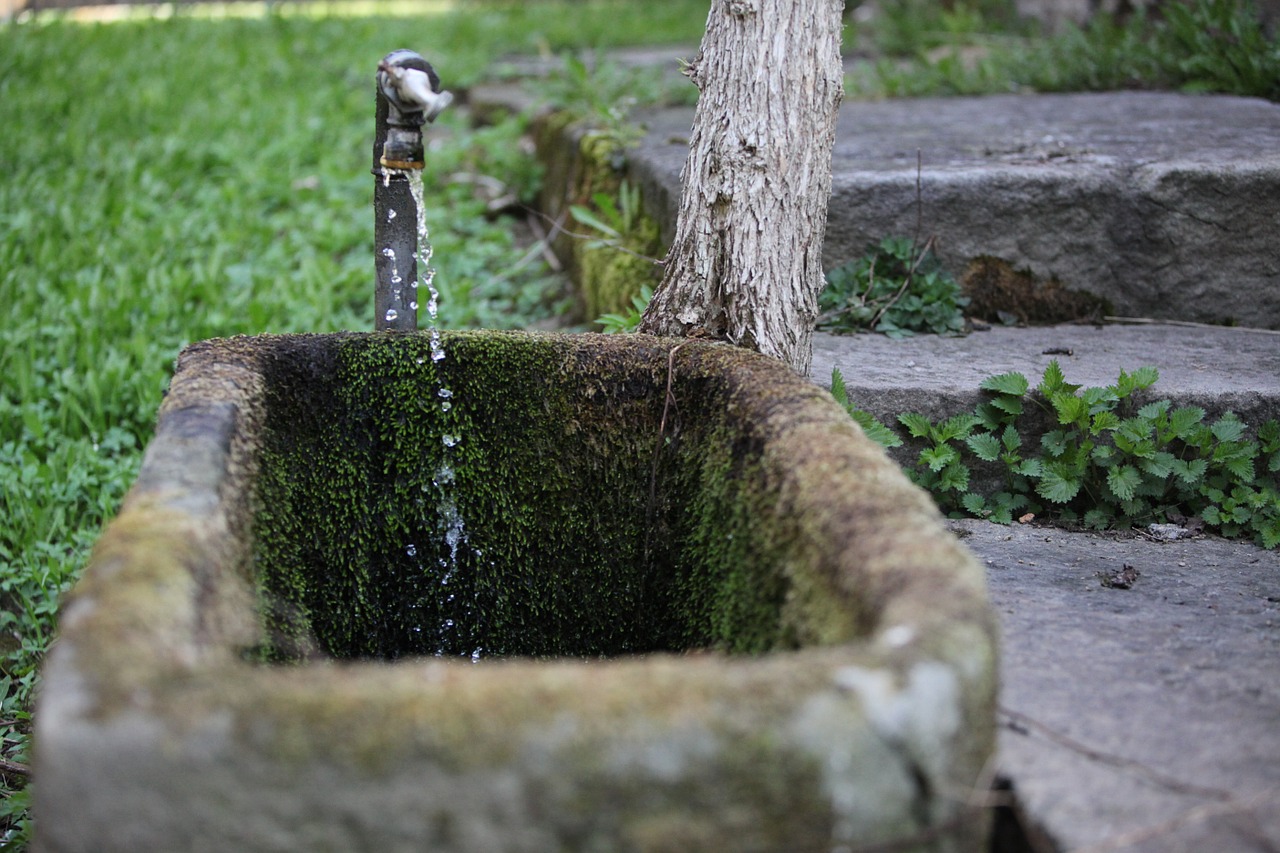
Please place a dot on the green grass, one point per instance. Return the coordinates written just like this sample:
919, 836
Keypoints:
166, 181
916, 48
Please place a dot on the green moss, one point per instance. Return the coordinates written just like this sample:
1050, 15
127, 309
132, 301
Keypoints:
547, 528
610, 276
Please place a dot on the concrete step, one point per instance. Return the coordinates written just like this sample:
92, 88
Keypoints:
1214, 367
1144, 719
1165, 205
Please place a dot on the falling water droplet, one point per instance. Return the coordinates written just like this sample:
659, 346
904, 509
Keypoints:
392, 314
445, 392
388, 252
446, 406
450, 440
413, 304
412, 550
391, 214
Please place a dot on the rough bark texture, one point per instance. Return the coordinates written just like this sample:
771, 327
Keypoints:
746, 262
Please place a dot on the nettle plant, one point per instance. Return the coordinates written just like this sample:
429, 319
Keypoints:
897, 289
1105, 462
614, 324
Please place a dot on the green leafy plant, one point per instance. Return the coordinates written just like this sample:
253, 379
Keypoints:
1220, 46
604, 95
614, 217
871, 425
913, 27
1194, 45
620, 225
1104, 461
893, 289
613, 323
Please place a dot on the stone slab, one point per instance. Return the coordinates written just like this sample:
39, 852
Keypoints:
1166, 205
1216, 368
1140, 719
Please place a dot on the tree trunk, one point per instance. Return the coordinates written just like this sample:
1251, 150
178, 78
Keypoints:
746, 262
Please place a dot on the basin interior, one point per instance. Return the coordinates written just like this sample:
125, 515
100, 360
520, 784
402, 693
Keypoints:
522, 496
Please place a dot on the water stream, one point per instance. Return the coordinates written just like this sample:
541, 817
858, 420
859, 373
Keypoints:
426, 273
451, 637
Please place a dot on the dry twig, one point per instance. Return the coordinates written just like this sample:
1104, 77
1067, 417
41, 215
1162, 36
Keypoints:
1151, 321
1152, 775
14, 767
1196, 815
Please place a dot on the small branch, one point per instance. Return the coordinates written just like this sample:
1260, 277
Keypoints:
1198, 814
906, 282
545, 239
538, 248
1163, 780
651, 509
7, 766
915, 238
1150, 321
611, 244
871, 282
620, 248
662, 424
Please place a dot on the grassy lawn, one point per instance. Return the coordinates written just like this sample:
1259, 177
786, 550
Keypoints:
166, 181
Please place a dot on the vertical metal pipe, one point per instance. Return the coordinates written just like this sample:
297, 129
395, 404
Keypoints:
407, 96
395, 237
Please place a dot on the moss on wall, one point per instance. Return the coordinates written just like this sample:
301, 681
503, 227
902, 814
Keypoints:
528, 517
594, 162
609, 276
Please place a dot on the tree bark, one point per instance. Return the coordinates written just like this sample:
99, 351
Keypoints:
746, 262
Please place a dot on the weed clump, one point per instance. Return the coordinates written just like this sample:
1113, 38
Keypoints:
1103, 462
895, 290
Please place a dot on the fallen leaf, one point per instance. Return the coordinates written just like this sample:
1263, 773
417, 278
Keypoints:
1125, 578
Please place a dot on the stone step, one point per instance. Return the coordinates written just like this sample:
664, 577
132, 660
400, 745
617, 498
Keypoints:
1139, 719
1165, 205
1217, 368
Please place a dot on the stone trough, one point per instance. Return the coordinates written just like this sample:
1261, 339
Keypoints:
621, 593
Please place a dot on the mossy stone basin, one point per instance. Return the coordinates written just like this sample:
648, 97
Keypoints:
552, 592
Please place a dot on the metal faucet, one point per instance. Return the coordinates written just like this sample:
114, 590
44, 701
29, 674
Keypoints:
408, 96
